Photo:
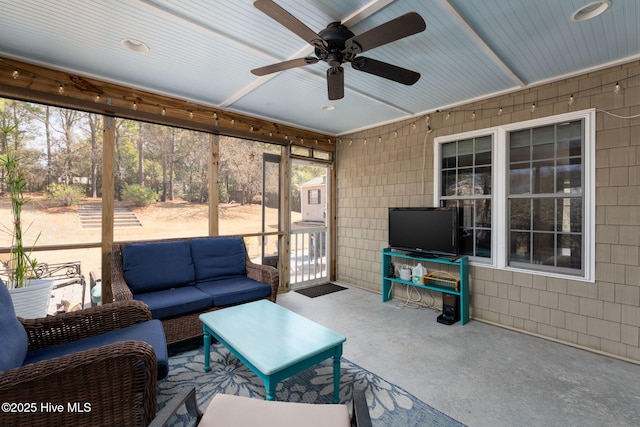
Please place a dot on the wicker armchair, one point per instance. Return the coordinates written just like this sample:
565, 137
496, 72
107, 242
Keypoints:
185, 327
115, 384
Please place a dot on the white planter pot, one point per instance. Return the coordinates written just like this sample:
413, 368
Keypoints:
33, 301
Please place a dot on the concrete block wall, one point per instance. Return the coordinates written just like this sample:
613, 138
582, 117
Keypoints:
374, 175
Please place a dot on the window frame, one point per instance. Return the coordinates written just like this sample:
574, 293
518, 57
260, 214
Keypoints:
465, 137
499, 200
311, 199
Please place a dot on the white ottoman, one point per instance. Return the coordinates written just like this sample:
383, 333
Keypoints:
230, 411
226, 410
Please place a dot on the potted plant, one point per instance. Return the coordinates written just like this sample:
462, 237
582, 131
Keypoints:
30, 297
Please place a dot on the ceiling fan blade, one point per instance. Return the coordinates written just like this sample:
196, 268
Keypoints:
289, 21
285, 65
396, 29
383, 69
335, 82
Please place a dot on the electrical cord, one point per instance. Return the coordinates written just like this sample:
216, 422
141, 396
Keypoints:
409, 302
617, 115
413, 303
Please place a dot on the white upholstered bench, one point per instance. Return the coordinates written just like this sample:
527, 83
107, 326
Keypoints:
230, 411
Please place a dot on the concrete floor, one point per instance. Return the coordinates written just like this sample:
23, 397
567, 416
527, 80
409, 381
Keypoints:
479, 374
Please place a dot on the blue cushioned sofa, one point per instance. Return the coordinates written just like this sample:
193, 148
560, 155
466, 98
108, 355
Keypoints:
178, 279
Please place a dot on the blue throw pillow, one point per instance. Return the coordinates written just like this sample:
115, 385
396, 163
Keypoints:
155, 266
12, 334
218, 258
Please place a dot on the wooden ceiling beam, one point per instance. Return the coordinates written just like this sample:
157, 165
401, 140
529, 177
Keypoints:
33, 83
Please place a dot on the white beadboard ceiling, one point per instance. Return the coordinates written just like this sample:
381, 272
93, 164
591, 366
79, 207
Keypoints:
203, 50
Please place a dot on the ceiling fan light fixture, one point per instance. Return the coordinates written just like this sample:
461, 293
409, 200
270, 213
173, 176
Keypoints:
134, 45
591, 10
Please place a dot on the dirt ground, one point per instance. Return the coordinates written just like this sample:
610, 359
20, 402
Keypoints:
60, 225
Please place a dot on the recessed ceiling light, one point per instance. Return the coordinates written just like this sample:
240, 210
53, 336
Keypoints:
135, 45
328, 107
591, 10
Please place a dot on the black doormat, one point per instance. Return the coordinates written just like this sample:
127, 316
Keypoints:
319, 290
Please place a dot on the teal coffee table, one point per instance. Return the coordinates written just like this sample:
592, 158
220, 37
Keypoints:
275, 343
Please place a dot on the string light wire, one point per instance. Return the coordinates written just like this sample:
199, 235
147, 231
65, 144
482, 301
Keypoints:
532, 107
17, 72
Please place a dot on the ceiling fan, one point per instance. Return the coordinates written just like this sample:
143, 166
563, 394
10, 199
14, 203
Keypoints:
336, 45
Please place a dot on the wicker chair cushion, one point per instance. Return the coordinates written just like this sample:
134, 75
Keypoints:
12, 334
175, 302
234, 290
218, 258
150, 332
155, 266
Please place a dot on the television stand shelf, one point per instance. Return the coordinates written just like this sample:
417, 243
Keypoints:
436, 282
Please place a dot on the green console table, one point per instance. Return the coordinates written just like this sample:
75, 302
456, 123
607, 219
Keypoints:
434, 284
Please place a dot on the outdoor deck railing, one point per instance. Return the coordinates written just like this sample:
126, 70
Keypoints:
308, 256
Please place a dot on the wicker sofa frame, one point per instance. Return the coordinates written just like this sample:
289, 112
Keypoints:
186, 327
118, 381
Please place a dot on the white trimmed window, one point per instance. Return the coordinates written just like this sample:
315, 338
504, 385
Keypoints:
524, 193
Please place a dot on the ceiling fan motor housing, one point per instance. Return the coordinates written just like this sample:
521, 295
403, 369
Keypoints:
335, 36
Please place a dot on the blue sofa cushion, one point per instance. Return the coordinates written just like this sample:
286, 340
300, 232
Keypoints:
175, 302
155, 266
218, 258
150, 332
12, 334
234, 290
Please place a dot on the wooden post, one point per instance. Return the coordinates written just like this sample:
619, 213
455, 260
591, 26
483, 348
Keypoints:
108, 197
214, 162
331, 220
284, 247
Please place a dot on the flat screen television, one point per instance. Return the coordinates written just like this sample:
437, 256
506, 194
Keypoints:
427, 231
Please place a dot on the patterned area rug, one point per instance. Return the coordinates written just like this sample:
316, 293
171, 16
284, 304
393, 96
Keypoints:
389, 405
